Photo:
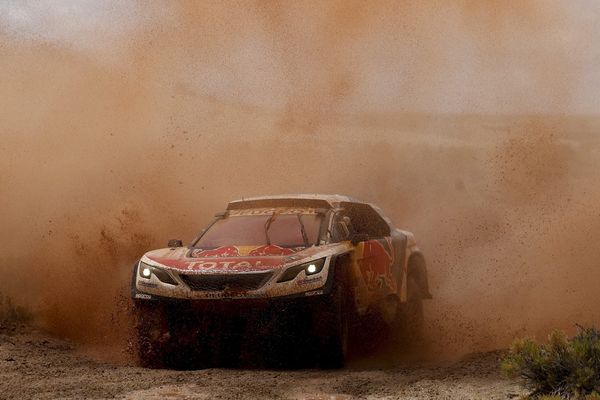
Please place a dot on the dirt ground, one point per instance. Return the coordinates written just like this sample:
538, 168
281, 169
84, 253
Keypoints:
35, 365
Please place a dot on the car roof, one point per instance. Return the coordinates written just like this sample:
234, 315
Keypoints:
301, 200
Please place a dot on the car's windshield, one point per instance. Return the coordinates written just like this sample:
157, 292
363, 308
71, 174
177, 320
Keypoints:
281, 229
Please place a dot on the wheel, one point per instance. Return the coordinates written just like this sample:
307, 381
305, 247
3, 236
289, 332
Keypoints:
332, 323
152, 335
410, 320
196, 339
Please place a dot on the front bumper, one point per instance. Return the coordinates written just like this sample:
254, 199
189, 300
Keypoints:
192, 287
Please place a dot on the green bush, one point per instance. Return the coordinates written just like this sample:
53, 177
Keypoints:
563, 367
593, 396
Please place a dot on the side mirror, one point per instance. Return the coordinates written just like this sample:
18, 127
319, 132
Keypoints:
175, 243
356, 238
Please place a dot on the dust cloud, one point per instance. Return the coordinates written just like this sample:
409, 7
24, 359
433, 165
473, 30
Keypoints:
462, 120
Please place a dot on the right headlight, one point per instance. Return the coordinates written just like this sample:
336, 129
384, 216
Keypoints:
146, 271
309, 268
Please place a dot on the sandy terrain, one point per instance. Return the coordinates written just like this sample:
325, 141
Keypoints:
34, 365
472, 124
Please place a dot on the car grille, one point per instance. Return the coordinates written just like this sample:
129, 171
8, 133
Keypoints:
220, 282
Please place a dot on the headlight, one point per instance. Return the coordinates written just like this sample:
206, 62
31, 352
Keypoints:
309, 268
146, 271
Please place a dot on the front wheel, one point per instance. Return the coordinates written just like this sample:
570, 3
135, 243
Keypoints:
332, 326
152, 335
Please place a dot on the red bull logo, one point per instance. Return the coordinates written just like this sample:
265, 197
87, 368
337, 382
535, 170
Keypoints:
271, 250
235, 251
227, 251
376, 265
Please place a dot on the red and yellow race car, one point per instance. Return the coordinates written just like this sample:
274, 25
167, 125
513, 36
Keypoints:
300, 270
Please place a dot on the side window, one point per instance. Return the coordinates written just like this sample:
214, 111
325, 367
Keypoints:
364, 219
341, 228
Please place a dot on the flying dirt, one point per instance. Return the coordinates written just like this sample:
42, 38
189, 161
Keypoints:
473, 125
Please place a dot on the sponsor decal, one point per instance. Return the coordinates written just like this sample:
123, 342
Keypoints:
270, 211
314, 293
226, 251
308, 281
143, 296
236, 251
271, 250
148, 284
230, 295
376, 264
221, 265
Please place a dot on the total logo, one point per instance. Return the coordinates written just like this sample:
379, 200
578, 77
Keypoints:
221, 265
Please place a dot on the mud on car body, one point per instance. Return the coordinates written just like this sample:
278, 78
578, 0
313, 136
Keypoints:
319, 264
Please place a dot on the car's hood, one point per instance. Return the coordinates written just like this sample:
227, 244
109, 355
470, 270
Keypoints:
227, 258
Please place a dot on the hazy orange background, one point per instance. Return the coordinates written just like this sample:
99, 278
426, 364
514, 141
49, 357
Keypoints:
473, 124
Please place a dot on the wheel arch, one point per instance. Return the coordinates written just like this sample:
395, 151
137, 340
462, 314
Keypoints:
341, 265
133, 289
417, 269
341, 273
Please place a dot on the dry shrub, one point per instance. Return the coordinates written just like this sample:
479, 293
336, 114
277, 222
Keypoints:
561, 368
11, 315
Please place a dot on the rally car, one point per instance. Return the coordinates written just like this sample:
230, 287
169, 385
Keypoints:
307, 271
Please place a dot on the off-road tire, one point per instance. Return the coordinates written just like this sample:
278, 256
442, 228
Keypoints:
332, 328
152, 337
410, 321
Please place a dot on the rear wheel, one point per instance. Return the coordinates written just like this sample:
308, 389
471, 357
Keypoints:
410, 321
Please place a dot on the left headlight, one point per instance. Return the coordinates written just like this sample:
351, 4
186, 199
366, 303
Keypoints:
146, 271
309, 268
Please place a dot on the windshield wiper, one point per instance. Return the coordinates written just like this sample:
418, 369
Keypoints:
268, 225
303, 230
